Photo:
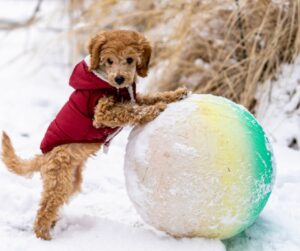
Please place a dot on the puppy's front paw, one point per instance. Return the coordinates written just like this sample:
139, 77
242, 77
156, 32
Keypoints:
182, 93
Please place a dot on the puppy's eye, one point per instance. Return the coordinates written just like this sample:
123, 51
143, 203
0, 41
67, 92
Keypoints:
109, 61
129, 60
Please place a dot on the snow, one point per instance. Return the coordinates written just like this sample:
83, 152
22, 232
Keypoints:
185, 150
101, 217
279, 106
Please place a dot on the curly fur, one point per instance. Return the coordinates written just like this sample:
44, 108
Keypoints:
61, 168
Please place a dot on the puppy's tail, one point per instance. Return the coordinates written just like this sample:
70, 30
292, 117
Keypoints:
14, 163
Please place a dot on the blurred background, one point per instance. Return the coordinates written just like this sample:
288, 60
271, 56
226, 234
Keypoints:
245, 50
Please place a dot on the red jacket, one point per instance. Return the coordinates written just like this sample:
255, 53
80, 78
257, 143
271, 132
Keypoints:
74, 122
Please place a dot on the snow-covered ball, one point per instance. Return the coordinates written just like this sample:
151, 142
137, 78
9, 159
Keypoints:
203, 167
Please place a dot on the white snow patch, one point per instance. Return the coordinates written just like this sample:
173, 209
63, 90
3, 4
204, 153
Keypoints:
279, 106
185, 150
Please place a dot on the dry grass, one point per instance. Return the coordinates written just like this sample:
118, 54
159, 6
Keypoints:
231, 54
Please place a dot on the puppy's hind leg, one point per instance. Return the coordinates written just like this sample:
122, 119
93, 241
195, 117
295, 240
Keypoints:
58, 186
83, 152
77, 169
77, 178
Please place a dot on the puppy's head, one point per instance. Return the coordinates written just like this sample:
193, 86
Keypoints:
121, 55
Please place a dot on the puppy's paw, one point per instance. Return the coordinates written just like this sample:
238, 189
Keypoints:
181, 93
42, 231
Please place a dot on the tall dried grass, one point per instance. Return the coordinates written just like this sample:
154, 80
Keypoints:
228, 50
224, 47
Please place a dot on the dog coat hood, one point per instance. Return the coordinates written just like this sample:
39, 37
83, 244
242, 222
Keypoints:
74, 122
83, 79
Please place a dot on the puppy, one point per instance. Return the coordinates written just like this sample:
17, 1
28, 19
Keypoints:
104, 100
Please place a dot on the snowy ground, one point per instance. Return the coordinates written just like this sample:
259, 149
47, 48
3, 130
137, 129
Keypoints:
102, 217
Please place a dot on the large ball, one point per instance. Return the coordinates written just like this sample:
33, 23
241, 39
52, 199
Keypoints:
203, 168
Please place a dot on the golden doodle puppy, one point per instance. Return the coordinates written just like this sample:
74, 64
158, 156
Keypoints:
104, 100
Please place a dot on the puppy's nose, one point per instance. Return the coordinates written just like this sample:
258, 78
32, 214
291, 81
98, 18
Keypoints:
119, 79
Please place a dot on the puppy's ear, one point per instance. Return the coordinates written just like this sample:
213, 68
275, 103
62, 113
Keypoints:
94, 48
143, 66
